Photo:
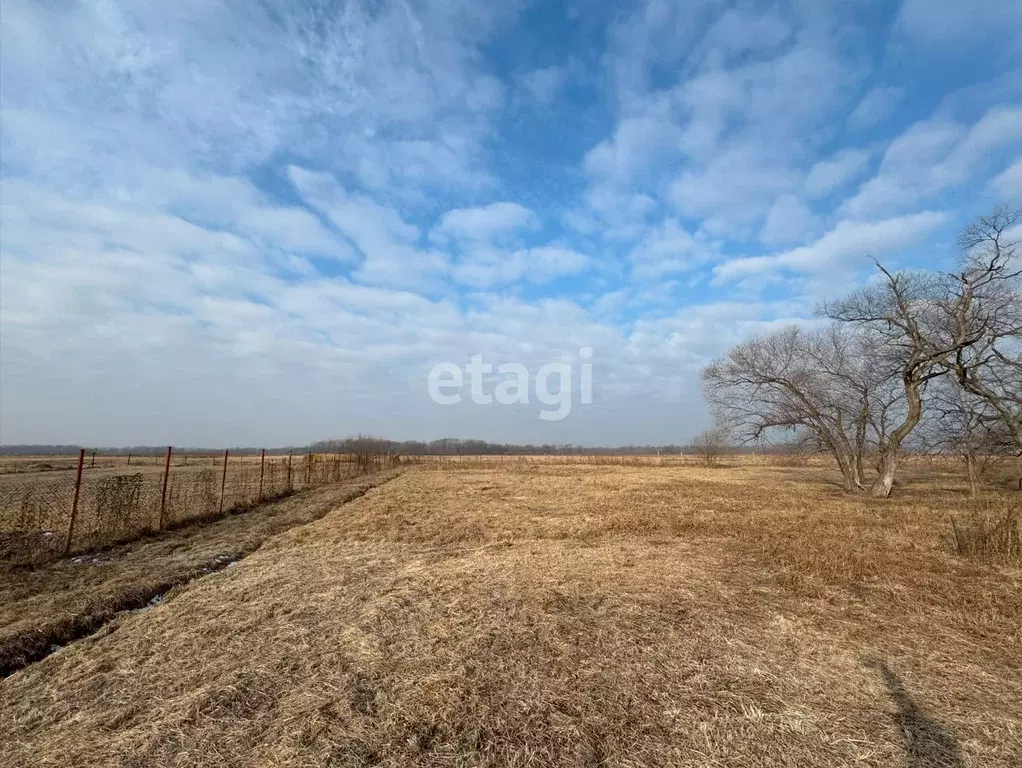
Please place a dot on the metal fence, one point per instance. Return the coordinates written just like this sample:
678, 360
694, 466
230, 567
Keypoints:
55, 507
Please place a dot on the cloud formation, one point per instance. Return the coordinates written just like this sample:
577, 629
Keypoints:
271, 234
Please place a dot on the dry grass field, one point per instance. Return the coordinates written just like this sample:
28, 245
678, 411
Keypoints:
557, 614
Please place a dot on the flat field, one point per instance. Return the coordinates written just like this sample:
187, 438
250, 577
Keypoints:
553, 614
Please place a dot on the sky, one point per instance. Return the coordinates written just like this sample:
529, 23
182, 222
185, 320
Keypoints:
242, 223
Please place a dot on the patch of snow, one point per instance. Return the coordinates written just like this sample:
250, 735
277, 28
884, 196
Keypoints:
88, 560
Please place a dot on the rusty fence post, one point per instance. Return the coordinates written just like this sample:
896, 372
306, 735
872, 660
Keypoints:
74, 503
129, 459
163, 493
223, 481
262, 471
93, 462
290, 487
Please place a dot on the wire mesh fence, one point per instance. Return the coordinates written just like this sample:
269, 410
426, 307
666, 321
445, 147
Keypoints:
55, 507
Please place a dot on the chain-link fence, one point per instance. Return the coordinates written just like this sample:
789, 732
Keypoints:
53, 508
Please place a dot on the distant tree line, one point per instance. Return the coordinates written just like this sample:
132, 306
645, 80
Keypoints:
466, 447
444, 447
915, 359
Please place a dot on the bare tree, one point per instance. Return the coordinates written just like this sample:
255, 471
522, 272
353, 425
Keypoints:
969, 324
862, 378
826, 388
366, 451
957, 423
905, 312
857, 388
987, 310
709, 445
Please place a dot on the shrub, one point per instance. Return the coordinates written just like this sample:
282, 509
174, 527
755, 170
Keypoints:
995, 536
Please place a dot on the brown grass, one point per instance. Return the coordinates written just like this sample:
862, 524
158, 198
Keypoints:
989, 534
53, 604
555, 615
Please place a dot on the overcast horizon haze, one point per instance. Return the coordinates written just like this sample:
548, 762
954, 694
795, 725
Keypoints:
228, 223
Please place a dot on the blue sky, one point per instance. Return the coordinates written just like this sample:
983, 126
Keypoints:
238, 223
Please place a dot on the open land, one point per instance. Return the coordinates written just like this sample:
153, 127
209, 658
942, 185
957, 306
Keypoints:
517, 613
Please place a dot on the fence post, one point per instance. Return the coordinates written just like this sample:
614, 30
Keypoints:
93, 462
289, 486
129, 459
223, 481
262, 470
308, 471
74, 503
163, 494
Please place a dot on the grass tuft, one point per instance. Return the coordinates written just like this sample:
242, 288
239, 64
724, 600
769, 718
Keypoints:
989, 535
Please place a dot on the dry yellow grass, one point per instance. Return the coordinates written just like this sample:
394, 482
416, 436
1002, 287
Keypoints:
553, 615
60, 601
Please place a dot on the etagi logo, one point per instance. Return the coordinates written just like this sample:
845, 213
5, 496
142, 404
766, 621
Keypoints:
446, 381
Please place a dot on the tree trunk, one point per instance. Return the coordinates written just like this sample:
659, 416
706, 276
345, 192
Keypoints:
882, 487
846, 475
860, 473
849, 462
970, 469
889, 451
847, 467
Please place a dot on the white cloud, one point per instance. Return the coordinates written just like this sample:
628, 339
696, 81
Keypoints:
616, 213
847, 242
1008, 184
828, 175
489, 244
487, 267
789, 220
877, 104
709, 101
543, 84
669, 248
731, 103
630, 153
234, 204
146, 309
739, 31
738, 184
484, 223
692, 336
933, 155
386, 241
399, 91
156, 247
